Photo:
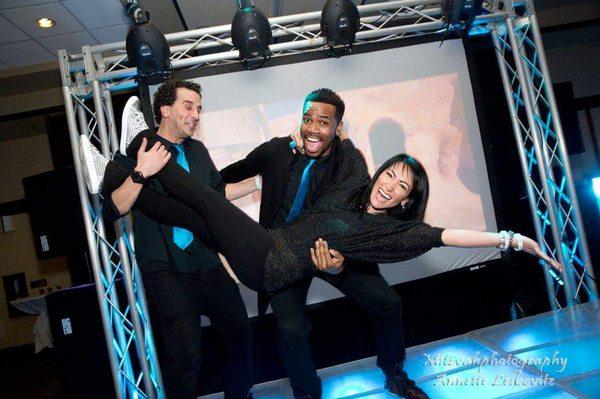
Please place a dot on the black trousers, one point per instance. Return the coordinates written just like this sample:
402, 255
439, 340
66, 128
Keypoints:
176, 301
366, 287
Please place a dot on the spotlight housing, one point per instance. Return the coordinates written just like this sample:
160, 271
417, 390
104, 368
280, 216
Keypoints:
460, 14
148, 51
251, 32
340, 20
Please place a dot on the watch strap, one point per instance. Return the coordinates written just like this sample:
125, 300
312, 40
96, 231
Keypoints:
137, 177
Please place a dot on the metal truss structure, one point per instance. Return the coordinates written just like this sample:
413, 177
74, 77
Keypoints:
543, 155
89, 79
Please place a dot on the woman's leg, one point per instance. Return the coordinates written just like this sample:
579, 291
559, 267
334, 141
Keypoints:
244, 242
166, 210
240, 239
156, 205
246, 253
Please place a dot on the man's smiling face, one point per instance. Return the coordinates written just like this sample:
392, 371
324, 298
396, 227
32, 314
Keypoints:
319, 127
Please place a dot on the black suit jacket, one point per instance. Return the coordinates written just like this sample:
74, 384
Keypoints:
274, 161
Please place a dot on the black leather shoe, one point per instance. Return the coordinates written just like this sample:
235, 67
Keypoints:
400, 387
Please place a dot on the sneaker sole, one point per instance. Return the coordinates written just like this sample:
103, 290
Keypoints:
92, 180
132, 104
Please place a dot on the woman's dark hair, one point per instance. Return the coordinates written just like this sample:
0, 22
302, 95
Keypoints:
167, 94
414, 209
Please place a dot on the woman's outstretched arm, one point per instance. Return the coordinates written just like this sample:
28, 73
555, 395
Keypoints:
420, 238
474, 239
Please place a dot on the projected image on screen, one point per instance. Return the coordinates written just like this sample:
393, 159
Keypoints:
415, 99
423, 118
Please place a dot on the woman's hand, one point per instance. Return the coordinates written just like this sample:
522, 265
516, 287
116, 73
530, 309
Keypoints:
152, 161
343, 135
325, 259
297, 137
532, 247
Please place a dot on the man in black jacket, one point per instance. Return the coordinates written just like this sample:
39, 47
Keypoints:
183, 279
292, 183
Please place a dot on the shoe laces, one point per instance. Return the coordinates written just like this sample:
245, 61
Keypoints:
135, 124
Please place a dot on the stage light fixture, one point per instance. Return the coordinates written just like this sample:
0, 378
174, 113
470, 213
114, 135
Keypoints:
340, 20
147, 47
460, 14
148, 51
251, 33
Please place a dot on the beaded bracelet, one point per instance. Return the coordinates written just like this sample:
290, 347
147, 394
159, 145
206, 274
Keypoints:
519, 240
506, 239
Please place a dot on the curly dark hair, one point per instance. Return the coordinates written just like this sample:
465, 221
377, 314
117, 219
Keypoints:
328, 96
167, 93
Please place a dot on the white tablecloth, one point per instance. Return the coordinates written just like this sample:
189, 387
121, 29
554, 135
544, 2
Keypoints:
41, 328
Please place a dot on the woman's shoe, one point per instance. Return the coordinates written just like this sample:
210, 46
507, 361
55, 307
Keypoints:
93, 164
132, 122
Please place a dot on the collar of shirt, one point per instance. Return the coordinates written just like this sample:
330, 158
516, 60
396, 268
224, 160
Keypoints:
169, 144
319, 162
303, 159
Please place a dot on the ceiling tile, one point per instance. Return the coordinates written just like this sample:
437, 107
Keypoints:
164, 16
25, 17
10, 33
4, 4
298, 7
97, 13
24, 53
72, 42
111, 34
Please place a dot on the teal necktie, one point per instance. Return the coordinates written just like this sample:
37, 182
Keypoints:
182, 237
301, 194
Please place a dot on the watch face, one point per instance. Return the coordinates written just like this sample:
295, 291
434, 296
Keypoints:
137, 177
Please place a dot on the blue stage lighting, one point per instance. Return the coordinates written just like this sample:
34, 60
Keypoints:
596, 186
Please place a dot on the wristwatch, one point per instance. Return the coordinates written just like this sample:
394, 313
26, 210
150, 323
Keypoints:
137, 177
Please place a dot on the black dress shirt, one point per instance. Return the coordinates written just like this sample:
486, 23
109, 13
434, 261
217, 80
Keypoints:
297, 168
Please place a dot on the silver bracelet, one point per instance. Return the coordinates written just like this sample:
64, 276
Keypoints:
503, 236
506, 238
258, 182
519, 242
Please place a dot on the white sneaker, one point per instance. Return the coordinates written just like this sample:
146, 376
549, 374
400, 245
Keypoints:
93, 164
132, 123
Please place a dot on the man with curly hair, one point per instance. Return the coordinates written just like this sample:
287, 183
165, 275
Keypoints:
183, 279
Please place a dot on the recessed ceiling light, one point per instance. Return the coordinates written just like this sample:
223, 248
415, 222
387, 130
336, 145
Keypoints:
45, 22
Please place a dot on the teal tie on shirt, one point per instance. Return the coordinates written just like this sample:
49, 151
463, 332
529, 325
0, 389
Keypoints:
301, 194
182, 237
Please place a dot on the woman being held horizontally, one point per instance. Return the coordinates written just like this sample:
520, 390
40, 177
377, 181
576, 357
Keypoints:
381, 222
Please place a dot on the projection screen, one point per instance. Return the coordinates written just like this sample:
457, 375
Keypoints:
415, 99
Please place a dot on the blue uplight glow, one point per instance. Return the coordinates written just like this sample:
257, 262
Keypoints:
354, 383
596, 186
